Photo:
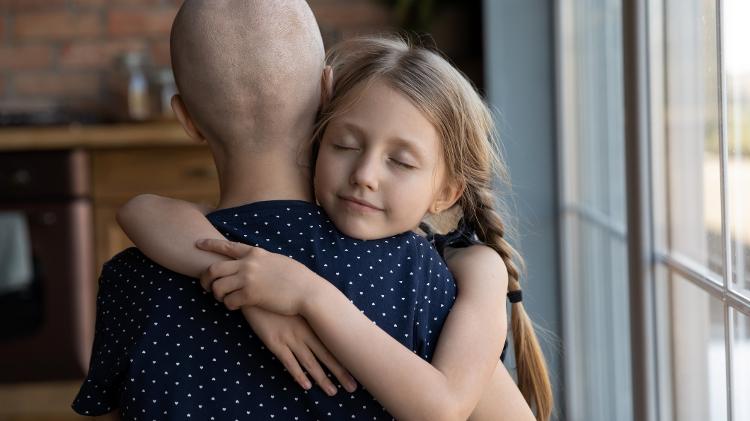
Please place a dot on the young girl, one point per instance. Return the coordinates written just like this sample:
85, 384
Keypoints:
403, 135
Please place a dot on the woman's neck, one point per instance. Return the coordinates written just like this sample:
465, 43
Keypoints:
247, 178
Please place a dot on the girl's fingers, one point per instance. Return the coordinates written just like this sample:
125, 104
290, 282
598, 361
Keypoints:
235, 296
291, 364
218, 270
310, 363
225, 247
338, 370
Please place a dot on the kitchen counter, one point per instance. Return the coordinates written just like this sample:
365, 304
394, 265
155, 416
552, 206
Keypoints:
168, 133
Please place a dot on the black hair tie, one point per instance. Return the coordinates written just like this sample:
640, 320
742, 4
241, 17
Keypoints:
515, 296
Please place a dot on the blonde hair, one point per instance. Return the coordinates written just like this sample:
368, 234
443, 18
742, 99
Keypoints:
466, 128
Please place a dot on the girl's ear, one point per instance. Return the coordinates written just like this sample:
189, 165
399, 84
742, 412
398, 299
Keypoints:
447, 197
185, 120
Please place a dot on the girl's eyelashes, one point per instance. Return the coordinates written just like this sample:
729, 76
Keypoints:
402, 164
404, 160
343, 146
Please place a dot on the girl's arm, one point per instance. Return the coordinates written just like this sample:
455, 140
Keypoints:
501, 400
466, 356
409, 387
166, 229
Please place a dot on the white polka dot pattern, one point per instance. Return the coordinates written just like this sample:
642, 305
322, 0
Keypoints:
166, 350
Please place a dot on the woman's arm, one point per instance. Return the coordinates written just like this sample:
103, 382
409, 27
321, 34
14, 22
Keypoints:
409, 387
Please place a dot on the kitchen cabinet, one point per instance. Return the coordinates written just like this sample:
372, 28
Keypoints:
185, 172
124, 161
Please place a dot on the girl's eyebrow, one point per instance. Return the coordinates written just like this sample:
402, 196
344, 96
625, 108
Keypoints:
411, 145
354, 128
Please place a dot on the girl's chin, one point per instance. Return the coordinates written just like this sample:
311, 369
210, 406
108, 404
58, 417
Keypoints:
359, 230
363, 235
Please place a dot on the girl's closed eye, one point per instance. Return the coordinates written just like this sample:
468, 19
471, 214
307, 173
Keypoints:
404, 159
402, 164
344, 143
344, 147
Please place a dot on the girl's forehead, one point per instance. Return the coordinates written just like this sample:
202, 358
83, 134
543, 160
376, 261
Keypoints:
362, 91
378, 101
383, 113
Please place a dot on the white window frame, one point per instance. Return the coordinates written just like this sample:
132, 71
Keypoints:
644, 61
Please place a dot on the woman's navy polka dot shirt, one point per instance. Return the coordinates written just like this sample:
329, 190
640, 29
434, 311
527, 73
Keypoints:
166, 350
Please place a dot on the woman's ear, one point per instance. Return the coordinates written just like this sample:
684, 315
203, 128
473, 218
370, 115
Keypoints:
326, 86
185, 120
447, 197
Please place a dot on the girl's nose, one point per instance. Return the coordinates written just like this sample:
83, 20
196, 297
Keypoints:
365, 173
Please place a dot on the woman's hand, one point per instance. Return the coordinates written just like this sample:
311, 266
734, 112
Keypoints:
293, 342
256, 278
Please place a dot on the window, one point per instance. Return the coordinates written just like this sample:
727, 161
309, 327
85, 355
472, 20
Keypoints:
696, 110
596, 307
700, 97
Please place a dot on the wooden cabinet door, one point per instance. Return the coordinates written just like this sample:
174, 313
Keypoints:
186, 173
182, 172
110, 239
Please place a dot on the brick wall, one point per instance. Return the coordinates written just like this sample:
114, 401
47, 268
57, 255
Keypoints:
64, 51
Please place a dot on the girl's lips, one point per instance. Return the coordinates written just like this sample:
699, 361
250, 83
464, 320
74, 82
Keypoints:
359, 204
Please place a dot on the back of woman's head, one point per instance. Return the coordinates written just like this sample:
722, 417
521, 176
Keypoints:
248, 70
465, 126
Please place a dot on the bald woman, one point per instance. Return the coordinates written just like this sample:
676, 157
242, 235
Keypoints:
250, 76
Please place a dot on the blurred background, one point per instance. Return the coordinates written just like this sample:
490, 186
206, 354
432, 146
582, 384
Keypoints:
627, 136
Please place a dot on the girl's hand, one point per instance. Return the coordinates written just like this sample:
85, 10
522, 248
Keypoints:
293, 342
256, 278
276, 283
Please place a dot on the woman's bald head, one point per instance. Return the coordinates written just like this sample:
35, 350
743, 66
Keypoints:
248, 69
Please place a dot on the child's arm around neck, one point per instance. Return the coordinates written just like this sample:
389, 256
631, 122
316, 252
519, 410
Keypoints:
165, 230
466, 357
409, 387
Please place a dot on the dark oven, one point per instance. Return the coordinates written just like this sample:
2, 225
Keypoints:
46, 265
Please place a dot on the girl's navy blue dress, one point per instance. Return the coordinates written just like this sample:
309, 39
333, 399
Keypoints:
166, 350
